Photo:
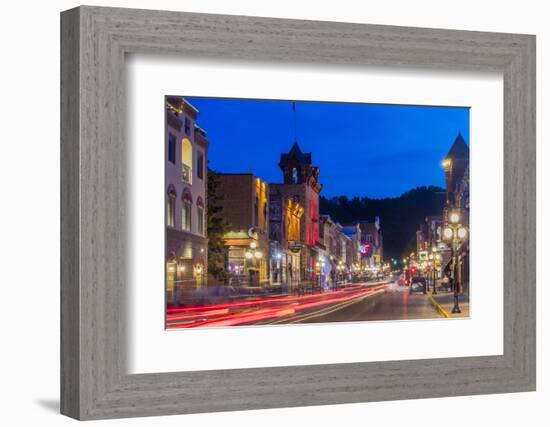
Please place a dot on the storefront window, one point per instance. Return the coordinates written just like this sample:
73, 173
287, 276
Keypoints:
170, 276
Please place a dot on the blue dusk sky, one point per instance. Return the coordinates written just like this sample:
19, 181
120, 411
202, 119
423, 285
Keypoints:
368, 150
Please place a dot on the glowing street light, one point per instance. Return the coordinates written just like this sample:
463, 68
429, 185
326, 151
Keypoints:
448, 233
454, 217
455, 232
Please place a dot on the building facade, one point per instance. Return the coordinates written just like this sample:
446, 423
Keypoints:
353, 249
244, 200
457, 178
329, 250
462, 202
455, 164
186, 153
301, 184
285, 217
337, 253
371, 248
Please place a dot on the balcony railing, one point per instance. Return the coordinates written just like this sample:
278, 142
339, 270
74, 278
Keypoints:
185, 173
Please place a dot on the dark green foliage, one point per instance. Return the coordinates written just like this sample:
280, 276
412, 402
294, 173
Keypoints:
400, 216
217, 226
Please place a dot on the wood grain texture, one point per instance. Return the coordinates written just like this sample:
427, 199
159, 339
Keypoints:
70, 297
94, 270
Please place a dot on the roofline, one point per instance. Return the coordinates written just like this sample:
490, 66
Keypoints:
235, 173
190, 105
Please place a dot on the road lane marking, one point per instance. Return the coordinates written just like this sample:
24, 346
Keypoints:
438, 307
329, 310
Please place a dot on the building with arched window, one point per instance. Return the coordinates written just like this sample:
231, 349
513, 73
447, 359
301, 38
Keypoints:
285, 215
457, 178
301, 184
186, 148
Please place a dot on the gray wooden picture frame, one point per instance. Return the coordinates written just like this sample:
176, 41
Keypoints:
94, 41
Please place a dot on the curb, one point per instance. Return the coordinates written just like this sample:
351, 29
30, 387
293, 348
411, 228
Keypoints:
441, 310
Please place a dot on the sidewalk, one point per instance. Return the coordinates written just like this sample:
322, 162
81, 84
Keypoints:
443, 301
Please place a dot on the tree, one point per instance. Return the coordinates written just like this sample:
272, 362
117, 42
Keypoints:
399, 216
217, 226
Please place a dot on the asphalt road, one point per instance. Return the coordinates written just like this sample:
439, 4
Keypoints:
359, 302
394, 304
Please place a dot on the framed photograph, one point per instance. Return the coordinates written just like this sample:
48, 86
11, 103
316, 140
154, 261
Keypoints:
261, 213
259, 234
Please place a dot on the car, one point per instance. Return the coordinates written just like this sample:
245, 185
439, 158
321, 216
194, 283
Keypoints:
402, 281
418, 284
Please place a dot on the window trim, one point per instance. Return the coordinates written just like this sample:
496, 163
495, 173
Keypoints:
200, 220
200, 164
172, 142
186, 204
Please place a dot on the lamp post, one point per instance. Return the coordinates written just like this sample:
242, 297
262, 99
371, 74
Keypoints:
253, 255
340, 273
434, 257
437, 261
431, 271
320, 264
455, 232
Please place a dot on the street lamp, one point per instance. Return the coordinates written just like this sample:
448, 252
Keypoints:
454, 217
455, 232
432, 269
434, 256
252, 254
320, 264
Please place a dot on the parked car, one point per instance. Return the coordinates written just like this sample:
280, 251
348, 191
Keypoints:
418, 284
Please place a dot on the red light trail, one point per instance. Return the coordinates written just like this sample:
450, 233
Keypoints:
261, 309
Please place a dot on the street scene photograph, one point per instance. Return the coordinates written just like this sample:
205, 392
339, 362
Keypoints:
282, 212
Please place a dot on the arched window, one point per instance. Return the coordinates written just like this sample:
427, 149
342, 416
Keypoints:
265, 216
200, 165
187, 202
171, 206
186, 161
256, 211
294, 176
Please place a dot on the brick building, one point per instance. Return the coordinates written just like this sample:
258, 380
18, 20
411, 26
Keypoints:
244, 200
300, 183
285, 215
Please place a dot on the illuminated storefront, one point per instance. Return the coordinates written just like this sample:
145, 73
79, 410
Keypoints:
245, 207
